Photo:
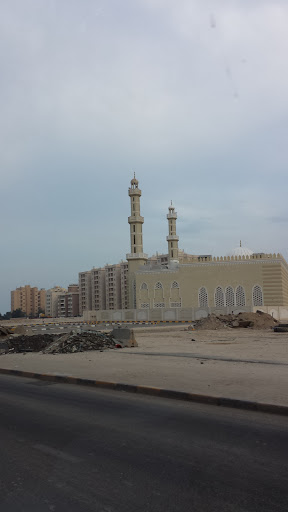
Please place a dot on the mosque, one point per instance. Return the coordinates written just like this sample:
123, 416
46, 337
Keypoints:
179, 286
244, 280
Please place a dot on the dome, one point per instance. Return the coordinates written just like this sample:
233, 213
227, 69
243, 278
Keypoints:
241, 251
134, 181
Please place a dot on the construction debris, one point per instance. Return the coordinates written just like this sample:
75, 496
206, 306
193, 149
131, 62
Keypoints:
258, 320
33, 343
4, 331
70, 343
59, 343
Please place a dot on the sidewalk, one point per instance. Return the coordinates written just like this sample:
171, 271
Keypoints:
176, 362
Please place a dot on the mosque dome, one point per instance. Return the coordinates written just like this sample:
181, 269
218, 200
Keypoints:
134, 181
241, 251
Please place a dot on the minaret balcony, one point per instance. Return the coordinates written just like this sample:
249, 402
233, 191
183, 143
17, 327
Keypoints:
171, 215
134, 192
135, 218
172, 238
136, 256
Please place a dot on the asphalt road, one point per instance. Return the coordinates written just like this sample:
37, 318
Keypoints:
68, 448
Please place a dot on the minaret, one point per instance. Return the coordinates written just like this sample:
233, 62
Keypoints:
136, 257
172, 237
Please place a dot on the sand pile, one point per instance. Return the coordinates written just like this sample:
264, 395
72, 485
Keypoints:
258, 320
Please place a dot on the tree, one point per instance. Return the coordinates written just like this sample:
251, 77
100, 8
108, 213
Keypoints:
18, 313
6, 316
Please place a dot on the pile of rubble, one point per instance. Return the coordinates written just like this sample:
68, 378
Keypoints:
24, 343
59, 343
258, 320
4, 331
70, 343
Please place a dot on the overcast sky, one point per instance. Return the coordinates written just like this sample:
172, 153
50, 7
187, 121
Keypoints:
189, 94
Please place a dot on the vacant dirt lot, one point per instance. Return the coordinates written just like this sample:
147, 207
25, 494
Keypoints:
236, 363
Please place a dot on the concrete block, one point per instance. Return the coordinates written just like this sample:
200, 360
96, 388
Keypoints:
125, 337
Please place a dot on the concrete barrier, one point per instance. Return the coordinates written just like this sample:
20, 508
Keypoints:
125, 337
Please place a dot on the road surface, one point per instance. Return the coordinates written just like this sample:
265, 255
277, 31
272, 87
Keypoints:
70, 448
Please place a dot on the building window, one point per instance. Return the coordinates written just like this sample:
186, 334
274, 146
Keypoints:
219, 297
159, 305
144, 286
144, 305
134, 294
158, 286
257, 295
175, 284
203, 297
240, 296
229, 293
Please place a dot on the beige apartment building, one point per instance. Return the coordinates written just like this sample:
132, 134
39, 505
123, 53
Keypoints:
104, 288
52, 295
85, 291
29, 299
98, 289
68, 302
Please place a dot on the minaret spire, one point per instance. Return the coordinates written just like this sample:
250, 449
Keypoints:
172, 237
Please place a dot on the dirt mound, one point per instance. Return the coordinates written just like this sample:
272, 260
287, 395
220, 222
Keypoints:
211, 323
258, 320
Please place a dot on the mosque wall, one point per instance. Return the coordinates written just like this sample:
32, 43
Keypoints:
248, 282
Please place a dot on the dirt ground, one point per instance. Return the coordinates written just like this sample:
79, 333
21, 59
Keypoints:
238, 363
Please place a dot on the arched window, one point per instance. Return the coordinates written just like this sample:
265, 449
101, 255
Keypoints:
240, 296
219, 297
203, 297
257, 295
175, 284
144, 286
158, 286
230, 301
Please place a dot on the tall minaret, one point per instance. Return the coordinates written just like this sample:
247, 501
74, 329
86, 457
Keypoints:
136, 257
172, 237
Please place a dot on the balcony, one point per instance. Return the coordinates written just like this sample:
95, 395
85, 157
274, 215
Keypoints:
172, 238
135, 219
137, 256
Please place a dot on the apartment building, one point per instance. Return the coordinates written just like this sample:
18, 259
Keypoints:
85, 291
104, 288
124, 284
29, 299
52, 295
68, 302
98, 289
113, 286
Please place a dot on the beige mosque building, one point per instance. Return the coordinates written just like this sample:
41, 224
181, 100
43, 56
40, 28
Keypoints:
179, 286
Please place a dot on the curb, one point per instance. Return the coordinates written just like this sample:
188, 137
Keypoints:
152, 391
